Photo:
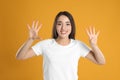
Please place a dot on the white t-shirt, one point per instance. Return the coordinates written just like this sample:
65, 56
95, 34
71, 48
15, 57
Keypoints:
60, 62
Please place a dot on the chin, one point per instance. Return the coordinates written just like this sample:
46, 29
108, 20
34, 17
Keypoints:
63, 37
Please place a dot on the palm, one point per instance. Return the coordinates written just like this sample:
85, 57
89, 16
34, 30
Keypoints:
92, 35
33, 31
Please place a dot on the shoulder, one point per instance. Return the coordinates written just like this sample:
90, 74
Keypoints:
45, 42
77, 41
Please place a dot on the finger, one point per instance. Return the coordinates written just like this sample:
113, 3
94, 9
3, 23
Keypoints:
39, 27
36, 24
28, 26
87, 32
33, 24
97, 34
93, 30
90, 28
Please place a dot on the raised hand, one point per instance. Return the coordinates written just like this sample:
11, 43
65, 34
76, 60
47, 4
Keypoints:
93, 35
33, 30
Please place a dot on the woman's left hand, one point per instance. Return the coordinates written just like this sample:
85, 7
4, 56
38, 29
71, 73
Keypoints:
93, 35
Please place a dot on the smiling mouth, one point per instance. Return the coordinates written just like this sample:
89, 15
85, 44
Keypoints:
63, 32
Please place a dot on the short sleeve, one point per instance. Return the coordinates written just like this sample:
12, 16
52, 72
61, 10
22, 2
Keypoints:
37, 48
84, 49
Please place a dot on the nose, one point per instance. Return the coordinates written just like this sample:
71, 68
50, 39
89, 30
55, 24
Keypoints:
63, 27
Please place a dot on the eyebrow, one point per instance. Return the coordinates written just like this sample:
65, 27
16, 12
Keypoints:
61, 21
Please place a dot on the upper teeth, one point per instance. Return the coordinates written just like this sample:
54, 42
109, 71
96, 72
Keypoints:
63, 32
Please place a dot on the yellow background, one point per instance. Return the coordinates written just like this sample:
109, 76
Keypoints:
16, 14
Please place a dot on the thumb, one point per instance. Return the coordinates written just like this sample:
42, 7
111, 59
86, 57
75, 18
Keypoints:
39, 38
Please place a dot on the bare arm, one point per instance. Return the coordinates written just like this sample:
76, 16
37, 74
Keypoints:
95, 55
25, 50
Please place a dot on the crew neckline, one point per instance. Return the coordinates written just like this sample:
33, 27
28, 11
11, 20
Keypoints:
62, 45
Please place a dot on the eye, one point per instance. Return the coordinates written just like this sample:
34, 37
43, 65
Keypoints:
67, 24
58, 24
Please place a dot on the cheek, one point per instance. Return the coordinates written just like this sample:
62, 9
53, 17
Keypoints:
58, 29
69, 29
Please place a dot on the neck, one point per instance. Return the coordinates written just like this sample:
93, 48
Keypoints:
63, 41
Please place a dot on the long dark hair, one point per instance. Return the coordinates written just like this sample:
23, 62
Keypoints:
54, 31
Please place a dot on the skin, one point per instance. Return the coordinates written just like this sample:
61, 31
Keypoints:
95, 55
63, 29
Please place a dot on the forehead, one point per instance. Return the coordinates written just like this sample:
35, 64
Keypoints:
63, 18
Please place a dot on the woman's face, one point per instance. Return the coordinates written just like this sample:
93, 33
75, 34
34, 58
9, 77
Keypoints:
63, 27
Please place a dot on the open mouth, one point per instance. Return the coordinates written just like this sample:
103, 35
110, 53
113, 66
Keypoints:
63, 32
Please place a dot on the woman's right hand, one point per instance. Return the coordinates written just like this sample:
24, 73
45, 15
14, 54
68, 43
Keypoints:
33, 30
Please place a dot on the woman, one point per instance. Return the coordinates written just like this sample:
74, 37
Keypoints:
61, 53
